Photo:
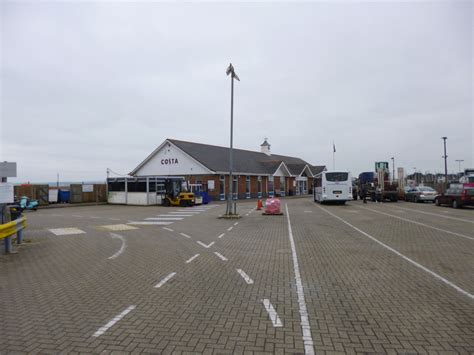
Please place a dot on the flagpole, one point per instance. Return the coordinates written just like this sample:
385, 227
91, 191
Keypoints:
333, 156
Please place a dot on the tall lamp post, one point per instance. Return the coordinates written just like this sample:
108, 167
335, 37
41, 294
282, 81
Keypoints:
231, 207
445, 164
393, 169
459, 161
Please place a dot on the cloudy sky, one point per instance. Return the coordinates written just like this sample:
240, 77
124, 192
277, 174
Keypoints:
88, 86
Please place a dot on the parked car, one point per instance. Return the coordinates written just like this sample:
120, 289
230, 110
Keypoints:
456, 197
420, 194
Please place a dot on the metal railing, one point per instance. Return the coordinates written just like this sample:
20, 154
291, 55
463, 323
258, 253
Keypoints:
8, 230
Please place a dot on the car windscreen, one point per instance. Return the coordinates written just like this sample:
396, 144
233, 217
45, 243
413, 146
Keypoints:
335, 177
426, 189
470, 192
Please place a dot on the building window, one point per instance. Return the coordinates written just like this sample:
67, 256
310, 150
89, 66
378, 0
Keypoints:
222, 188
259, 183
234, 188
247, 186
271, 193
282, 186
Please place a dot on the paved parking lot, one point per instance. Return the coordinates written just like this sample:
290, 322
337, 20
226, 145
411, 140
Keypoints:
360, 278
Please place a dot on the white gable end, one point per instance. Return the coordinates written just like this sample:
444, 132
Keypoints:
170, 160
281, 171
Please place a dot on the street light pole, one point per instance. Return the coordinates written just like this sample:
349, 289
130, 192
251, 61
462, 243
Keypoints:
231, 208
445, 164
459, 162
393, 169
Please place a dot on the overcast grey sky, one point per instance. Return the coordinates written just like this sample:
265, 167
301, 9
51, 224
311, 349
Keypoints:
94, 85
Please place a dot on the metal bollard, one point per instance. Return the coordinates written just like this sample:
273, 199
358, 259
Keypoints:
8, 245
19, 236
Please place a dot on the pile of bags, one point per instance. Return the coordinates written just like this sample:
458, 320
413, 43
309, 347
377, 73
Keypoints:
272, 206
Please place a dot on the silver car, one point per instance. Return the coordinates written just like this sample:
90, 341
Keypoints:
421, 194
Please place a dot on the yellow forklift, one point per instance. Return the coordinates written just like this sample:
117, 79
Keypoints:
174, 194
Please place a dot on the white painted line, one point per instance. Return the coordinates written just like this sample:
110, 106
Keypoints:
204, 245
192, 258
236, 223
122, 248
420, 224
221, 235
175, 215
222, 257
168, 229
439, 215
229, 229
308, 211
66, 231
94, 217
304, 317
150, 223
188, 212
114, 219
245, 276
447, 282
119, 227
165, 280
197, 210
164, 219
110, 324
273, 314
352, 211
185, 235
76, 215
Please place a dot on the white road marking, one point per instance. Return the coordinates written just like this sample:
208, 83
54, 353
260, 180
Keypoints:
245, 276
94, 217
440, 215
114, 219
196, 210
119, 227
122, 248
236, 223
168, 229
66, 231
304, 317
447, 282
192, 258
204, 245
175, 215
76, 215
229, 229
165, 280
145, 223
308, 211
273, 314
420, 224
185, 235
110, 324
221, 235
222, 257
352, 211
188, 212
164, 219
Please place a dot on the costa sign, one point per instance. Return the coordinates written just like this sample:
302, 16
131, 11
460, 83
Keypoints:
169, 161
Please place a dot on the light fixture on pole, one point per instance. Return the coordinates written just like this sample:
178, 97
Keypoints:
445, 164
231, 210
459, 161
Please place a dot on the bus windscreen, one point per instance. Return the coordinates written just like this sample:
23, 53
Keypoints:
337, 177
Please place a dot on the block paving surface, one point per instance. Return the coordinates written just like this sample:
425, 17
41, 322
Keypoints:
65, 294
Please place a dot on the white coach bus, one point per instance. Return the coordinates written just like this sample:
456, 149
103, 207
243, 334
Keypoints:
333, 186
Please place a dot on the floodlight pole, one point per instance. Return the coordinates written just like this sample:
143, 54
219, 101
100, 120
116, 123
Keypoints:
231, 207
445, 165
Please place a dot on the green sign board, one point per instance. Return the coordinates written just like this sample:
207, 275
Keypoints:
381, 165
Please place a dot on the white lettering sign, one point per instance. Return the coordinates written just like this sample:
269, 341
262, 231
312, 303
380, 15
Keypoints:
6, 192
169, 161
87, 188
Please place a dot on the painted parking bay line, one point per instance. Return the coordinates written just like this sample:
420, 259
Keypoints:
165, 280
246, 277
118, 227
150, 223
164, 219
168, 229
222, 257
112, 322
204, 245
185, 235
276, 321
175, 215
432, 273
122, 247
66, 231
192, 258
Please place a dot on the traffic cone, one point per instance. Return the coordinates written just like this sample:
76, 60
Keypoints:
259, 204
